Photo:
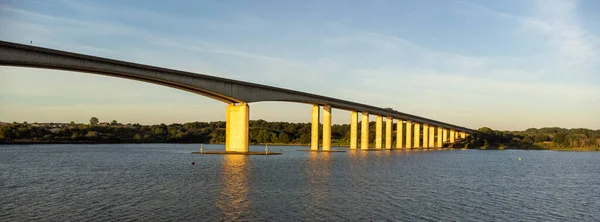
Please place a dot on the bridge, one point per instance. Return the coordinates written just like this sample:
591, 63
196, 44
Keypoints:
411, 131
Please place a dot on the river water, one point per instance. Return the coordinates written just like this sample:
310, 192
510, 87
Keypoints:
157, 182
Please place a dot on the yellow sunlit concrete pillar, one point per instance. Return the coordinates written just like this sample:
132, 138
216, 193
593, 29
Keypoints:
440, 141
314, 131
353, 130
452, 136
431, 137
463, 135
399, 134
378, 129
326, 127
236, 127
417, 142
409, 132
425, 136
364, 131
388, 132
445, 136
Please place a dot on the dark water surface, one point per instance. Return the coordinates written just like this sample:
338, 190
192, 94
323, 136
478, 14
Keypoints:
156, 182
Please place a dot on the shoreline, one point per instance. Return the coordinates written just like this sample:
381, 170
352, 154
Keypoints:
95, 142
574, 149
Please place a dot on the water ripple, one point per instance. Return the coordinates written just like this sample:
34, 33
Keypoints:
156, 182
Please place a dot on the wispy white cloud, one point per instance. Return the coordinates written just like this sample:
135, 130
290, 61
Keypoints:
64, 39
409, 54
111, 28
158, 18
574, 46
566, 34
202, 46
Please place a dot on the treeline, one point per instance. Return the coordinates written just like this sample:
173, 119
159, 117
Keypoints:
262, 132
195, 132
543, 138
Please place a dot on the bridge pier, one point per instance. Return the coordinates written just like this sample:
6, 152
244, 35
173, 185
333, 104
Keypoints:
462, 135
425, 136
452, 136
364, 131
378, 129
353, 130
388, 132
417, 142
314, 131
409, 132
445, 136
440, 140
326, 127
236, 127
399, 134
431, 137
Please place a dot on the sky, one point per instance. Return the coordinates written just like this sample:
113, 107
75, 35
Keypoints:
508, 65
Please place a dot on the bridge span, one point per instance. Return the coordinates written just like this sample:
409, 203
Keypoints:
411, 131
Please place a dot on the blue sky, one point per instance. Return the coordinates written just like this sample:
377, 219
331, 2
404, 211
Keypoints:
503, 64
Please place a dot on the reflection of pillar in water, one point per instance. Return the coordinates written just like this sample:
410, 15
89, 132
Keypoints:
232, 199
318, 173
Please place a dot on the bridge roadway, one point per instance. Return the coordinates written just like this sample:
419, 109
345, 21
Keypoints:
237, 94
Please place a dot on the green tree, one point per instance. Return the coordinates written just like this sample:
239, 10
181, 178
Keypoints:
541, 138
304, 139
91, 134
273, 138
94, 121
137, 137
283, 137
6, 132
114, 123
263, 136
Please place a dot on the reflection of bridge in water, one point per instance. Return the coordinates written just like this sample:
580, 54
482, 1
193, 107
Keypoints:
233, 196
411, 131
319, 176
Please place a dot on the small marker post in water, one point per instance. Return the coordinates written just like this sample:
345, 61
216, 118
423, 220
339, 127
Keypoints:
266, 149
201, 149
